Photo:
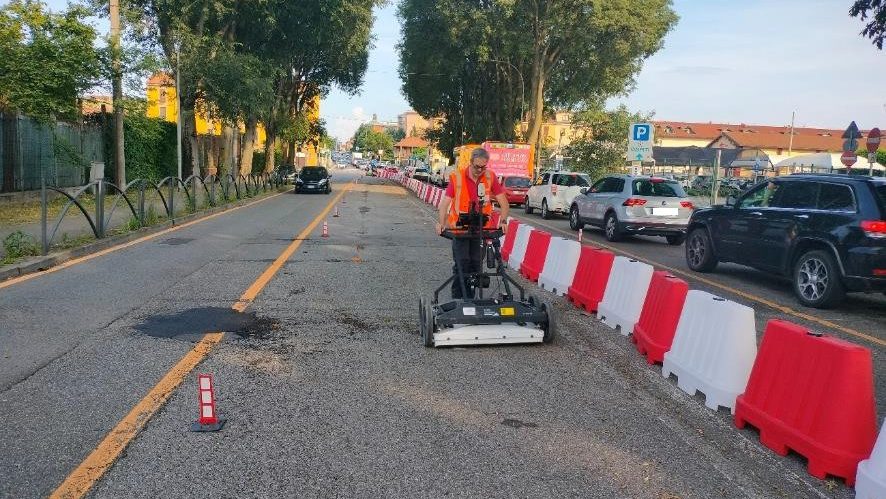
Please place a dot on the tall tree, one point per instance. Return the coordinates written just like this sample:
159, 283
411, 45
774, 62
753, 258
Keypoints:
602, 138
874, 13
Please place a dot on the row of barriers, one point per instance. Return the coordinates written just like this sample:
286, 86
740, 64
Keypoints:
804, 391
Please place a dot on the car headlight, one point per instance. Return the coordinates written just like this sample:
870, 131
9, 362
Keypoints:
323, 180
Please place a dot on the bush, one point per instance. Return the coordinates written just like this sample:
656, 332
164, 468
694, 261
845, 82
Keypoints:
18, 245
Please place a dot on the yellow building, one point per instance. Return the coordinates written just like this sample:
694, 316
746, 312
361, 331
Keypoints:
162, 104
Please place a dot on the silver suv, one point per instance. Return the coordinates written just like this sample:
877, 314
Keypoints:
625, 204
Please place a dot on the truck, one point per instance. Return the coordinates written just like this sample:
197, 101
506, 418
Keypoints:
506, 159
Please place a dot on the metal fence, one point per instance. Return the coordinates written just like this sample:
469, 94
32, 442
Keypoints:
63, 152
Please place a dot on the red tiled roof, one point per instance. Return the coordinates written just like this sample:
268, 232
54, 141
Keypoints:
754, 136
412, 142
160, 79
801, 142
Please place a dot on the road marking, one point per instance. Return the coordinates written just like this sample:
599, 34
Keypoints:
100, 460
90, 471
86, 258
763, 301
249, 295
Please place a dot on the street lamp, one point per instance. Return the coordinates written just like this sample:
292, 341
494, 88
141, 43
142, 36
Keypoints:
178, 108
522, 88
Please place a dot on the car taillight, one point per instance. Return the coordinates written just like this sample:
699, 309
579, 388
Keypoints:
874, 228
634, 202
880, 272
687, 204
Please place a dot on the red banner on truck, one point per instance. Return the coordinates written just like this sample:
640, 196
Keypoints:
509, 159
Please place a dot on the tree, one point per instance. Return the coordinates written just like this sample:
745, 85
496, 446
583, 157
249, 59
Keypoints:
874, 12
560, 53
602, 139
48, 59
371, 141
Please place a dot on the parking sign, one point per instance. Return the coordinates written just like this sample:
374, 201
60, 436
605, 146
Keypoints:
640, 138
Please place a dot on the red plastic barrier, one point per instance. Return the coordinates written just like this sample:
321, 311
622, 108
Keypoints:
655, 330
429, 193
591, 276
813, 394
536, 251
510, 237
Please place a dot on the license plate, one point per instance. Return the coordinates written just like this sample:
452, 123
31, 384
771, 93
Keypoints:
664, 211
312, 186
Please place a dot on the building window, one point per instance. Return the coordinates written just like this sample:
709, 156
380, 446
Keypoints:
162, 96
162, 112
779, 151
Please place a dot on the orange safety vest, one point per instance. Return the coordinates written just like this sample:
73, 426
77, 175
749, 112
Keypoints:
462, 201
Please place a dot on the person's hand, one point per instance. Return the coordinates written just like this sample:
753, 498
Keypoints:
439, 228
504, 227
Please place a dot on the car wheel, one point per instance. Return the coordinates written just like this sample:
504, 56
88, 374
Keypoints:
575, 222
817, 280
527, 208
676, 240
328, 189
610, 228
544, 209
700, 255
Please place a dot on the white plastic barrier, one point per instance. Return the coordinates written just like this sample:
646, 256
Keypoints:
560, 263
870, 480
625, 293
713, 350
520, 243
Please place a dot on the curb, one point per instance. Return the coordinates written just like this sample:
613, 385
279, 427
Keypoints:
41, 263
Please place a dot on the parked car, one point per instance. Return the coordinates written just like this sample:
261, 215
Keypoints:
825, 232
553, 192
313, 179
285, 174
421, 174
641, 205
516, 188
438, 178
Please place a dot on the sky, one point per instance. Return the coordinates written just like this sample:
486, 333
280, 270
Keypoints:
754, 62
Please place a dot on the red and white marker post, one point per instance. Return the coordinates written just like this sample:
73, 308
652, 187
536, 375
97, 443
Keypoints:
325, 229
579, 234
335, 213
209, 420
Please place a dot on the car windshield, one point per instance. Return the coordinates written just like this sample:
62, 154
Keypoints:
657, 187
312, 173
517, 182
573, 180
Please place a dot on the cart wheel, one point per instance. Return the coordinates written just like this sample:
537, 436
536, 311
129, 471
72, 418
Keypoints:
422, 303
549, 326
428, 326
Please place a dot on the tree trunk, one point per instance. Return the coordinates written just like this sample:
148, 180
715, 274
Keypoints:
189, 132
537, 102
269, 151
10, 151
226, 149
248, 145
209, 148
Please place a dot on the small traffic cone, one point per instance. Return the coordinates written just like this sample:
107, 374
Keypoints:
325, 229
579, 235
209, 420
335, 213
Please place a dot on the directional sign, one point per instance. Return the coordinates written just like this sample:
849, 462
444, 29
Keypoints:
848, 158
640, 137
850, 145
851, 131
873, 141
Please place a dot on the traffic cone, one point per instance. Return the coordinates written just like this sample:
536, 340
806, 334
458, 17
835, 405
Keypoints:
335, 213
209, 420
325, 229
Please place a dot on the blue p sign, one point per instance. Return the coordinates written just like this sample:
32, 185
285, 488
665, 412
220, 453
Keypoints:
640, 132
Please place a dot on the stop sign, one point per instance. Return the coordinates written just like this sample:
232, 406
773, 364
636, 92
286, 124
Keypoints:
848, 158
873, 141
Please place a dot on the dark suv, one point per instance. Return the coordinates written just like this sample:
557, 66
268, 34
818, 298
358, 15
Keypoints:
313, 179
826, 232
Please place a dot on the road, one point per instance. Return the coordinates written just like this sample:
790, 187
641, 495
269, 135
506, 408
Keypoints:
323, 380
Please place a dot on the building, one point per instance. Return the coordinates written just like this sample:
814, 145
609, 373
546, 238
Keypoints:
405, 148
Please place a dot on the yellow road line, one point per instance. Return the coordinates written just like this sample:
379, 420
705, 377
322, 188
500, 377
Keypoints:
89, 472
749, 296
100, 460
86, 258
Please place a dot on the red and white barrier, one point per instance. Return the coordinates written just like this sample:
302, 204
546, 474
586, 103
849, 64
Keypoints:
510, 237
536, 252
870, 481
208, 420
591, 276
520, 244
560, 264
655, 330
713, 349
625, 293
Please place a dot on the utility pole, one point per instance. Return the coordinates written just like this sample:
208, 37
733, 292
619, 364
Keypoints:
791, 141
117, 83
178, 109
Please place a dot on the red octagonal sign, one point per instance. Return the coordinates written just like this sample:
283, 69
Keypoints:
848, 158
873, 141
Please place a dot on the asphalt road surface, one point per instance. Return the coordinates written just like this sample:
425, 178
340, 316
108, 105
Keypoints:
325, 385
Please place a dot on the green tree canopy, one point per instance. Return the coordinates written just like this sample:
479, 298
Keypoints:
602, 140
874, 13
47, 59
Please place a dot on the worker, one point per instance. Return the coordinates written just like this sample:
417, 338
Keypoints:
463, 187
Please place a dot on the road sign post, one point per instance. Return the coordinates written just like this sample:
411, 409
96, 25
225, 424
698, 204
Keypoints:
848, 158
640, 140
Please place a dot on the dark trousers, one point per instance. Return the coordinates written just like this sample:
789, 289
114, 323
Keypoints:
469, 254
